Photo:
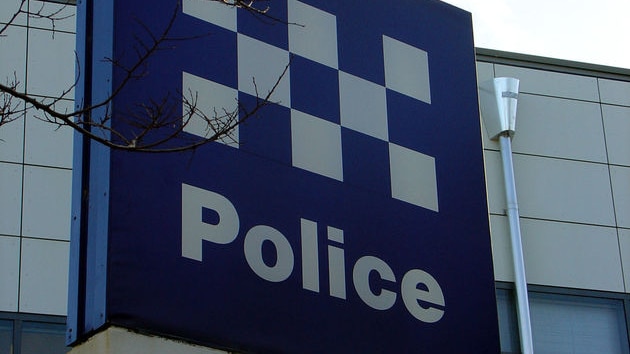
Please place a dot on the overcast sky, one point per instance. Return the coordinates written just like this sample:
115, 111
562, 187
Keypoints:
591, 31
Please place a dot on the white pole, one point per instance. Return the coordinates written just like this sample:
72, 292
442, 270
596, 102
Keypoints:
522, 298
498, 98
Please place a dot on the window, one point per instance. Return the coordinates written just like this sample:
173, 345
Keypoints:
32, 334
566, 321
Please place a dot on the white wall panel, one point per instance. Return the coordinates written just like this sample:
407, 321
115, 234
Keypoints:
558, 127
552, 83
620, 177
572, 255
51, 62
617, 128
48, 144
9, 272
46, 202
10, 198
44, 276
614, 92
563, 190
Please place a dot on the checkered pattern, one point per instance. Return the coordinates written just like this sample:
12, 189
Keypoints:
338, 122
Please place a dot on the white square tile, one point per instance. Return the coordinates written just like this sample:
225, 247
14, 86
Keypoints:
51, 63
8, 8
620, 177
10, 198
44, 276
12, 139
9, 273
406, 69
563, 190
316, 145
258, 77
46, 143
614, 92
46, 210
59, 17
617, 130
557, 127
315, 34
550, 83
212, 11
13, 56
572, 255
413, 177
213, 100
363, 106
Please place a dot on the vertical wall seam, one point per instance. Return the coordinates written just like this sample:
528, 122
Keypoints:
612, 190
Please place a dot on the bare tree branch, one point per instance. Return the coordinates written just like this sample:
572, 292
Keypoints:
156, 125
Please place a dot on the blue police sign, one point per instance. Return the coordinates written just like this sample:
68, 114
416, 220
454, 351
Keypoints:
348, 216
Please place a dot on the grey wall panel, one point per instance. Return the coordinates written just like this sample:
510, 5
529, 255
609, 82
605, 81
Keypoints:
563, 190
558, 127
617, 129
620, 177
572, 255
501, 248
65, 15
8, 8
10, 198
551, 83
624, 243
9, 272
48, 77
44, 276
494, 182
614, 92
46, 203
13, 55
561, 254
47, 144
485, 71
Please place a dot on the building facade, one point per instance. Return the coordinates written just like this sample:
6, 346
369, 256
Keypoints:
36, 173
572, 170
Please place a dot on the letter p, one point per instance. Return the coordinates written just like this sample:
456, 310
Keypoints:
194, 230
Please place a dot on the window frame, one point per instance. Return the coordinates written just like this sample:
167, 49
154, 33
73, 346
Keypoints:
18, 320
571, 293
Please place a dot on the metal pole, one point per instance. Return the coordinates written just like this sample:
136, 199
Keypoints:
525, 327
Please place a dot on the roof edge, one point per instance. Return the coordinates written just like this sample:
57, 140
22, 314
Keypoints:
551, 64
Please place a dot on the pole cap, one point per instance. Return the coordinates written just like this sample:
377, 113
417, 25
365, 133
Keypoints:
498, 99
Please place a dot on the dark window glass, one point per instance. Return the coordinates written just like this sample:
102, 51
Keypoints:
577, 324
573, 322
43, 338
508, 322
6, 337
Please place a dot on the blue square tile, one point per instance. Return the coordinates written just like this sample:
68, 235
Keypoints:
365, 161
315, 89
268, 132
414, 124
270, 28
